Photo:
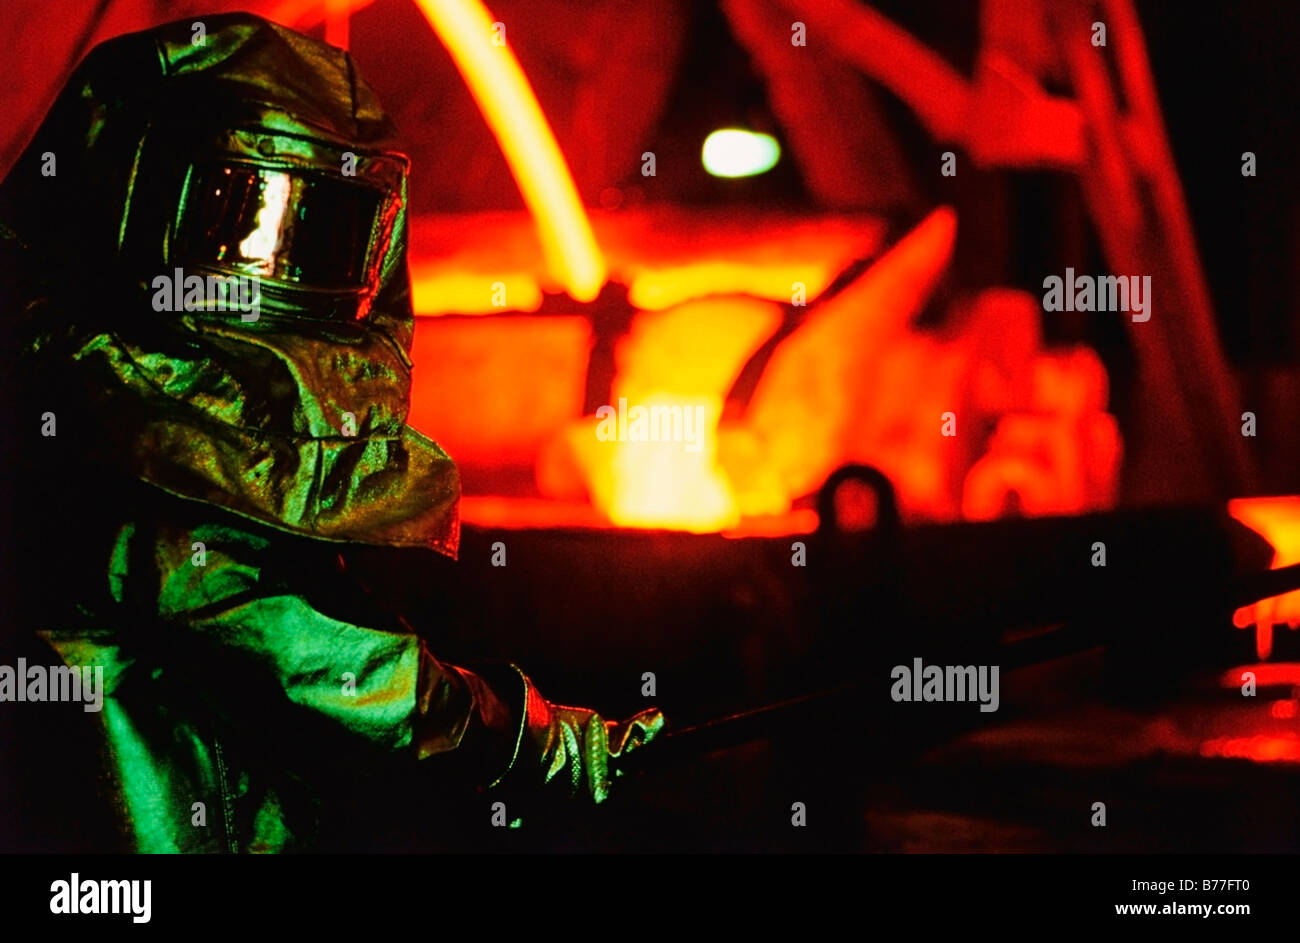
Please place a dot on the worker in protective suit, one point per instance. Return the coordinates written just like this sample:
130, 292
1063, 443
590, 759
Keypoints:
197, 457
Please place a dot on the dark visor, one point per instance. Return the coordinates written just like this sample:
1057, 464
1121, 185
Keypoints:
280, 225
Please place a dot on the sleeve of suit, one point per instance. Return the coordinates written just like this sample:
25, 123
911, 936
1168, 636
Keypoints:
234, 601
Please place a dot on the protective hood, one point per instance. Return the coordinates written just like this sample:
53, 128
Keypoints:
185, 158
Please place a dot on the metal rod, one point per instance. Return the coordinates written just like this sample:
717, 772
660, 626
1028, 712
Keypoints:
688, 743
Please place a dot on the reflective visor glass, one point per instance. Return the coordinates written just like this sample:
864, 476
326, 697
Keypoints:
282, 225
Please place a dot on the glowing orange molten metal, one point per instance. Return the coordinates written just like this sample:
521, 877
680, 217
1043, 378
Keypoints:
856, 381
503, 94
652, 461
1277, 520
800, 422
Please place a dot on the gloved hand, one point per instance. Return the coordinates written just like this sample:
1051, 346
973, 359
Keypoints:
496, 730
576, 751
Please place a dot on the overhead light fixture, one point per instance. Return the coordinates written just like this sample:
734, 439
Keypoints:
731, 152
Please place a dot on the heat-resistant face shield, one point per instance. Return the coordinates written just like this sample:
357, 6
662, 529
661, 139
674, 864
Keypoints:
315, 239
279, 225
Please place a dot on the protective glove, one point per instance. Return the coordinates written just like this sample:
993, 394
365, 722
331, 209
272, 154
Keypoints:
575, 751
